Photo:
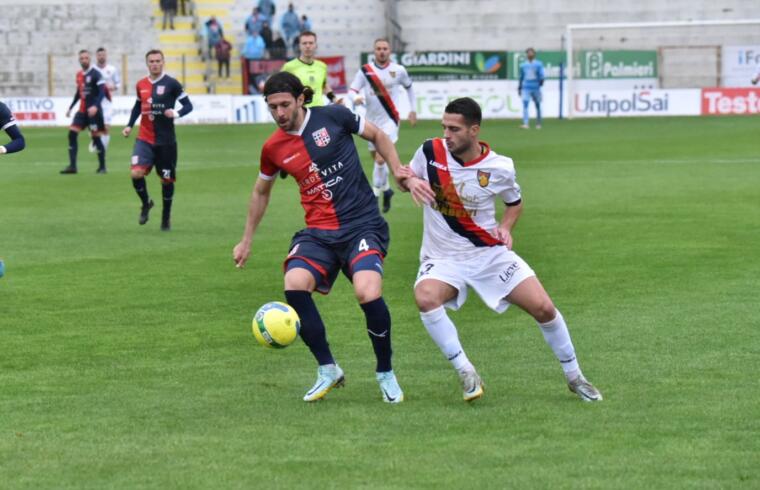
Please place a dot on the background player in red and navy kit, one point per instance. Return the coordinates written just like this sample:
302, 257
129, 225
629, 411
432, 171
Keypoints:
8, 124
344, 229
156, 144
91, 88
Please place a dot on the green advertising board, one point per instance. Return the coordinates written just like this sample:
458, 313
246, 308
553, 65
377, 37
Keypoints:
450, 65
427, 66
592, 64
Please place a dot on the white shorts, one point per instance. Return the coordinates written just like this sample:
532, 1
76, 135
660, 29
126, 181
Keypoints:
493, 274
390, 129
107, 107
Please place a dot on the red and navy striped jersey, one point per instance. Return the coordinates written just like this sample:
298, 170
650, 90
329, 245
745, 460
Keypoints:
88, 87
6, 117
155, 96
322, 157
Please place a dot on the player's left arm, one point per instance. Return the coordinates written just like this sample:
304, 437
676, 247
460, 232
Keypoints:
407, 83
512, 197
184, 101
101, 84
329, 93
386, 149
540, 74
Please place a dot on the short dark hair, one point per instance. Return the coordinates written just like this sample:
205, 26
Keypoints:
154, 51
84, 51
381, 39
100, 49
285, 82
308, 33
468, 108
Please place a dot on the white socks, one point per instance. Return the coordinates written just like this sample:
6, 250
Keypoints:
105, 139
444, 334
380, 177
556, 335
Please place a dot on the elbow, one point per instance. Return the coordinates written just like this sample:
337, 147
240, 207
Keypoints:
21, 143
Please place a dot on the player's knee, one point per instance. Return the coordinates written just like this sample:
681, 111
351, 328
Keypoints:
426, 299
137, 173
544, 311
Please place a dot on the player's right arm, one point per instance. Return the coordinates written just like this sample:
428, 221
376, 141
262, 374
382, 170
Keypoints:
132, 118
257, 206
8, 124
420, 189
73, 103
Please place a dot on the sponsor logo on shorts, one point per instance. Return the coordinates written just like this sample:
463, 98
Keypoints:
507, 274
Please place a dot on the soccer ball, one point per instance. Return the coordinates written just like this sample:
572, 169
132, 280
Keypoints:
276, 325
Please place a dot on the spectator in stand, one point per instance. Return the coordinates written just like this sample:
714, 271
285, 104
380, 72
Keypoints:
169, 8
255, 22
253, 49
267, 7
290, 25
266, 34
183, 10
305, 23
223, 53
214, 33
279, 50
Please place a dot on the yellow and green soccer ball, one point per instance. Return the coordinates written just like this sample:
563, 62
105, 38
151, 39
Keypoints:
276, 325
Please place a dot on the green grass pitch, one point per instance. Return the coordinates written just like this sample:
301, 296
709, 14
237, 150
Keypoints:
127, 360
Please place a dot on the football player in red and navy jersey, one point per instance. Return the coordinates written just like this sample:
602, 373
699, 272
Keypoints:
344, 228
156, 144
8, 124
91, 88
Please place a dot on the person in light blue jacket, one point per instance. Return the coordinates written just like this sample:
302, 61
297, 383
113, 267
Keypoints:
531, 80
290, 25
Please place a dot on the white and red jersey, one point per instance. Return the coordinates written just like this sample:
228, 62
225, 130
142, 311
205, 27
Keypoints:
113, 79
462, 220
381, 88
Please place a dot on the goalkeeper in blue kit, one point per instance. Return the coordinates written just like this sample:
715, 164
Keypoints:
531, 81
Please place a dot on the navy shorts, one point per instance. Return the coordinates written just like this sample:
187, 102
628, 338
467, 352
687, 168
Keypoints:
163, 157
83, 121
324, 252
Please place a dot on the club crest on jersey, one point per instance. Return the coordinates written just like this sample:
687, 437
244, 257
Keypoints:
392, 74
321, 137
160, 90
483, 178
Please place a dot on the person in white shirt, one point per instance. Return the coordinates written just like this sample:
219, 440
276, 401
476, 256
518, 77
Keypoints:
459, 178
113, 84
377, 86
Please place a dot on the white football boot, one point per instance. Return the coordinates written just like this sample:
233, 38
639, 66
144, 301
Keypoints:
328, 377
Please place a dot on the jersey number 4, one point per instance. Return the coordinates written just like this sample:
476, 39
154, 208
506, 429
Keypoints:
363, 247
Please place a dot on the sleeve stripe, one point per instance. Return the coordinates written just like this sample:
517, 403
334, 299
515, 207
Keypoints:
361, 124
10, 123
182, 96
264, 176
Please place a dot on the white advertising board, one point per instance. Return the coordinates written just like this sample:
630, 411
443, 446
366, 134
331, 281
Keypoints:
739, 64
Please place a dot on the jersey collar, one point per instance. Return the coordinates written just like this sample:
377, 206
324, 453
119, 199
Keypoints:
485, 150
157, 79
303, 125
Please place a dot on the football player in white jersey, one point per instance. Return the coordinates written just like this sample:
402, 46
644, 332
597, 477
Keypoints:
377, 86
113, 83
463, 245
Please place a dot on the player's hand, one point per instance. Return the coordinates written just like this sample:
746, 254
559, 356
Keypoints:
170, 113
92, 110
359, 100
420, 190
338, 101
504, 236
240, 254
68, 113
126, 131
3, 150
413, 118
